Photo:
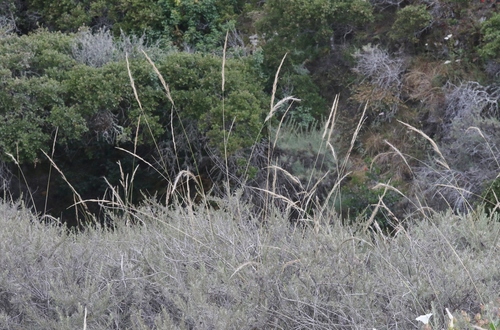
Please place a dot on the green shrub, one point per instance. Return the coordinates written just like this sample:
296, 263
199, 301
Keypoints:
199, 24
25, 105
47, 86
193, 23
410, 22
195, 82
307, 28
132, 16
48, 99
36, 54
491, 196
490, 30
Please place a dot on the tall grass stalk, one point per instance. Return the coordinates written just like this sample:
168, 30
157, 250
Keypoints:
442, 160
269, 149
47, 190
78, 200
24, 179
225, 133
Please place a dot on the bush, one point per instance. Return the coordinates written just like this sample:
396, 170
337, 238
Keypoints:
94, 49
471, 100
305, 31
307, 28
490, 29
53, 87
195, 82
299, 84
131, 16
99, 48
411, 22
37, 54
92, 105
379, 67
199, 24
381, 80
491, 196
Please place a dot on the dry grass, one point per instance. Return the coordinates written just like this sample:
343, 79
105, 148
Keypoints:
203, 268
421, 83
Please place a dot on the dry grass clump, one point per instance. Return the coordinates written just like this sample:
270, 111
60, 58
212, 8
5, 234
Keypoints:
381, 80
422, 83
199, 268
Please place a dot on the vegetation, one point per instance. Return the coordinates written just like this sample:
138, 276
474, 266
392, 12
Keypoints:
279, 164
411, 22
221, 268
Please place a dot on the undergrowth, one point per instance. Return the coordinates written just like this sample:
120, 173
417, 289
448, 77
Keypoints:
223, 269
266, 249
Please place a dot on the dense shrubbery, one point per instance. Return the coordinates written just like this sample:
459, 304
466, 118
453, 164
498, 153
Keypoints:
307, 28
491, 37
199, 24
47, 88
57, 92
75, 89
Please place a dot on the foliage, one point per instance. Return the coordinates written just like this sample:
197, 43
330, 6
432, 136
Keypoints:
199, 24
490, 30
196, 88
25, 104
36, 54
307, 28
491, 196
50, 99
131, 16
312, 106
98, 98
410, 22
30, 89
